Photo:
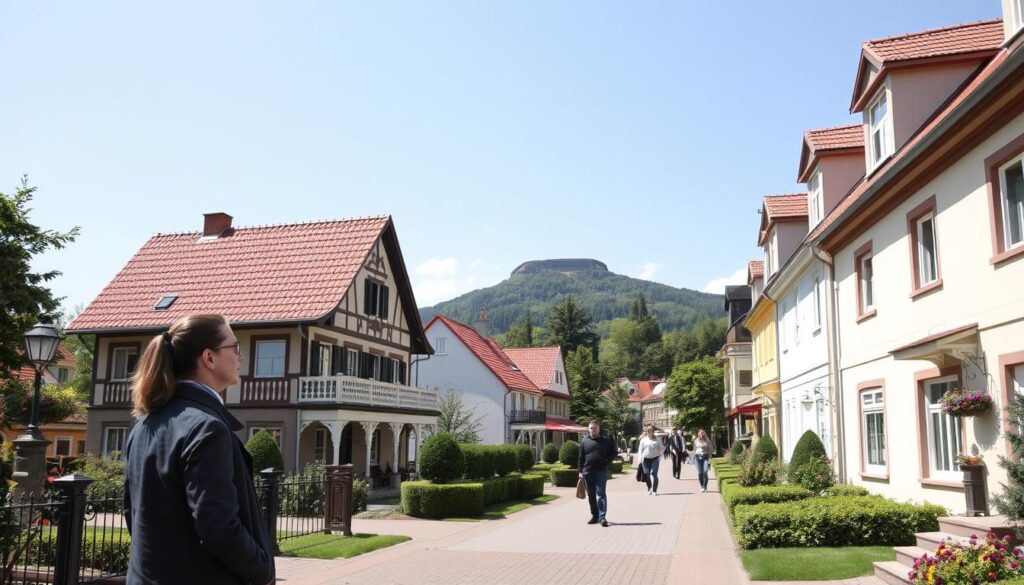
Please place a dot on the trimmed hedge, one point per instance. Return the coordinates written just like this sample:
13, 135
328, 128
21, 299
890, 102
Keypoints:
501, 489
105, 552
479, 461
441, 459
808, 447
505, 460
524, 457
569, 454
550, 453
565, 477
531, 486
846, 490
424, 499
836, 521
544, 468
615, 467
735, 494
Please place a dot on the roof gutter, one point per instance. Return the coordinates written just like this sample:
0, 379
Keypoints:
959, 113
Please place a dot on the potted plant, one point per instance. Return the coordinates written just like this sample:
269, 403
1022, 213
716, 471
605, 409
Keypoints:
974, 484
960, 402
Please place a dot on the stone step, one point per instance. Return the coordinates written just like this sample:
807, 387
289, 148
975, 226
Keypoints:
892, 572
931, 540
908, 554
976, 525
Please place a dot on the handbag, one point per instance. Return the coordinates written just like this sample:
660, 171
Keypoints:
581, 489
640, 472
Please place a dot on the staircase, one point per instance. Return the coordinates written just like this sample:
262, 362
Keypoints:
955, 527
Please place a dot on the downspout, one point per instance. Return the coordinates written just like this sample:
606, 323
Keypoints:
834, 371
298, 412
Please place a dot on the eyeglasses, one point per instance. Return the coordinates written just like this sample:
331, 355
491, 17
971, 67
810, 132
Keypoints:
236, 345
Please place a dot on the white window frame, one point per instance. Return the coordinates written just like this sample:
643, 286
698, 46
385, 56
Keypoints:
122, 432
116, 376
320, 445
56, 446
815, 199
872, 405
867, 282
1017, 15
950, 426
816, 299
1004, 202
273, 360
441, 346
932, 275
884, 127
352, 362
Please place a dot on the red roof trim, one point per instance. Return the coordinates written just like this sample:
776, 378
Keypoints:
489, 354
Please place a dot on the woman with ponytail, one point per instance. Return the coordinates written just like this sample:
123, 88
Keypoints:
190, 504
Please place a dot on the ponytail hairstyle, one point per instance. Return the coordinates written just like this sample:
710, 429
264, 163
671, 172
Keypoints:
171, 357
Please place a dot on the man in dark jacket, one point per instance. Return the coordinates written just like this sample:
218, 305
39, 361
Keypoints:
678, 450
596, 452
196, 510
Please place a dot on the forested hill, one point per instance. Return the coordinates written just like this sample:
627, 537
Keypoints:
603, 294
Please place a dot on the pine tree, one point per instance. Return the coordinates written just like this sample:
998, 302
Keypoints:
586, 381
520, 334
570, 326
1011, 501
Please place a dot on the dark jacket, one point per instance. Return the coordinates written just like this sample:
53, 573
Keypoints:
190, 504
675, 443
595, 454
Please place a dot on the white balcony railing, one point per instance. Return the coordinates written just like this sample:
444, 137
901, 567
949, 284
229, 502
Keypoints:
350, 390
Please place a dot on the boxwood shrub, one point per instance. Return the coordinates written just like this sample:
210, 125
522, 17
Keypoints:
565, 477
524, 457
544, 468
101, 550
569, 454
505, 461
836, 521
441, 459
550, 453
615, 467
734, 495
531, 486
846, 490
424, 499
479, 461
501, 489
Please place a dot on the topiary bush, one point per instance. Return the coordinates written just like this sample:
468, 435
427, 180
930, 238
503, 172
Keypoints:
505, 461
478, 461
736, 452
423, 499
531, 486
569, 454
845, 490
524, 458
615, 467
550, 453
564, 477
808, 447
837, 521
441, 460
815, 474
501, 489
264, 451
764, 451
734, 495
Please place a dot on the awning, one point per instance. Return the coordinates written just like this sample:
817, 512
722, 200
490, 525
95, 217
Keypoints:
946, 348
565, 425
749, 407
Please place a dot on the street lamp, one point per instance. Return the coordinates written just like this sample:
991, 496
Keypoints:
41, 346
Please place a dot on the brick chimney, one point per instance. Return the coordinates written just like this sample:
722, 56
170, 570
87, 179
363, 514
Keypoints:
481, 324
214, 224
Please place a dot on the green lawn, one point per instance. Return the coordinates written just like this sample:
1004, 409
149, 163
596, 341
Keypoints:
496, 511
813, 564
333, 546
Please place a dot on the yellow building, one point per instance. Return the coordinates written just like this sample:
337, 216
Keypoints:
765, 376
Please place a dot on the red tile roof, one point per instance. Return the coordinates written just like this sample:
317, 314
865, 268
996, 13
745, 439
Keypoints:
755, 269
538, 363
950, 40
859, 190
644, 389
490, 354
781, 207
292, 272
838, 137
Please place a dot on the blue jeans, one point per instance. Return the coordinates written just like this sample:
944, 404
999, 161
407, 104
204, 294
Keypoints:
701, 461
651, 472
596, 482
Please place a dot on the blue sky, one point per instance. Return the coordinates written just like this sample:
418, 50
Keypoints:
642, 134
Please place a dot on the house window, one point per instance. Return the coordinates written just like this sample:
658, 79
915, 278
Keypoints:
746, 377
274, 432
114, 439
375, 299
81, 447
867, 283
879, 132
62, 375
1012, 202
270, 358
816, 299
165, 302
320, 445
945, 440
62, 447
873, 430
1017, 14
927, 267
815, 201
125, 359
441, 346
352, 362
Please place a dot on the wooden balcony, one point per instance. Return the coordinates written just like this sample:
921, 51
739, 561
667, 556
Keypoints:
117, 393
265, 390
531, 417
351, 390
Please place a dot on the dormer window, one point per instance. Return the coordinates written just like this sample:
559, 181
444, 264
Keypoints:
165, 302
1017, 14
815, 203
880, 140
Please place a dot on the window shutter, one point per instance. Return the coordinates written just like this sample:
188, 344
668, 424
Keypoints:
343, 361
383, 308
401, 373
368, 297
336, 354
366, 366
314, 359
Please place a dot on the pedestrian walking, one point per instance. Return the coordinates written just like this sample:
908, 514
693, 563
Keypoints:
651, 450
677, 448
702, 458
596, 452
188, 480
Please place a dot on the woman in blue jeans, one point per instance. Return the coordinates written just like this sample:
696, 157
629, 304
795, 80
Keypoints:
650, 451
701, 457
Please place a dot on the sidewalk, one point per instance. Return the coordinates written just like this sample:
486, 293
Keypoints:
678, 536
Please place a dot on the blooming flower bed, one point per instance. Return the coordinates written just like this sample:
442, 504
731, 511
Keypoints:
975, 562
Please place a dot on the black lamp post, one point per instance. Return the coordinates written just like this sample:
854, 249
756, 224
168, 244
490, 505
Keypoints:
30, 460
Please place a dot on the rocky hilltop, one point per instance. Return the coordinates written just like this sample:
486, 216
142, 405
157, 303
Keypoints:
563, 265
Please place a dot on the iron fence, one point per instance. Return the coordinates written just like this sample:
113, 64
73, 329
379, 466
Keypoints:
27, 539
106, 543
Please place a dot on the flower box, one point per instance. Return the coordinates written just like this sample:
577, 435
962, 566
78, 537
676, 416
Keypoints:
960, 402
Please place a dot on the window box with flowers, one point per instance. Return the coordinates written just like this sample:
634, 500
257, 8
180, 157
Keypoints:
960, 402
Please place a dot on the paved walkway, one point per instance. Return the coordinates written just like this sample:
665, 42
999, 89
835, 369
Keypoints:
679, 536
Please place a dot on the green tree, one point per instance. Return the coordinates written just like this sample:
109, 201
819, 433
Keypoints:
1010, 501
710, 335
457, 419
695, 390
520, 334
23, 292
79, 348
656, 361
682, 346
570, 326
615, 408
586, 381
622, 352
